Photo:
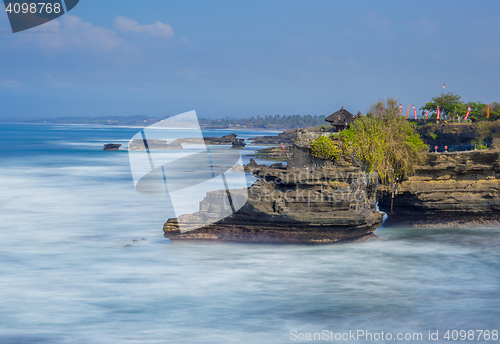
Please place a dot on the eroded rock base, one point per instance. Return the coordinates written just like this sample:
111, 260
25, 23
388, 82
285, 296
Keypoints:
443, 221
272, 235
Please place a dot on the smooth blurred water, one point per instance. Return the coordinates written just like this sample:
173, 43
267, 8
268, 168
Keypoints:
68, 208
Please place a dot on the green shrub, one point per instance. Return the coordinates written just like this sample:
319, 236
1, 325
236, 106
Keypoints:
385, 142
325, 148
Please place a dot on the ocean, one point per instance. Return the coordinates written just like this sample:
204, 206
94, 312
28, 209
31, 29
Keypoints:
68, 208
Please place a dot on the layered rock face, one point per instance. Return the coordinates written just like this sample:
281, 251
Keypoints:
294, 206
450, 134
451, 186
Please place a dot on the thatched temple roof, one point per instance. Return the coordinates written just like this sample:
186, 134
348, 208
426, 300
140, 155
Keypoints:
340, 118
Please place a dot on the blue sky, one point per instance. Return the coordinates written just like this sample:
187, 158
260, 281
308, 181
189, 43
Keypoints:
241, 59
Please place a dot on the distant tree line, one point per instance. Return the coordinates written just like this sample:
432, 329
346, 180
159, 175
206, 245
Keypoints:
267, 122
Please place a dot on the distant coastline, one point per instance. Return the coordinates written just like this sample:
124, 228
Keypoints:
235, 129
266, 123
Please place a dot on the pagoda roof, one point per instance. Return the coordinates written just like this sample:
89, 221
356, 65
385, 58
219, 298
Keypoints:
341, 117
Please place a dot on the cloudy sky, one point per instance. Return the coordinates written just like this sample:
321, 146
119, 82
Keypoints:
248, 58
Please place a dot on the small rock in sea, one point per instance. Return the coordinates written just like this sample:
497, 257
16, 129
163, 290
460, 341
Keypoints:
135, 240
112, 146
127, 246
253, 163
144, 239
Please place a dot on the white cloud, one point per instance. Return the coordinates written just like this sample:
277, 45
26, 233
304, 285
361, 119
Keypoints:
186, 42
157, 29
10, 83
67, 33
376, 22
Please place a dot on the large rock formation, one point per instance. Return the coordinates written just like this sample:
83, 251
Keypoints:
323, 201
451, 188
322, 206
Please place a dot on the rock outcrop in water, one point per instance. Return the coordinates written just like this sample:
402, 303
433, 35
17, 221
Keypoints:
321, 201
294, 206
285, 137
223, 140
229, 140
112, 147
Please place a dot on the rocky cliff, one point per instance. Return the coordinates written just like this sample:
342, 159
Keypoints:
450, 188
294, 206
441, 134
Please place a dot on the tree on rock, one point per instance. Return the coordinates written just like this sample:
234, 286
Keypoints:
385, 142
449, 104
325, 148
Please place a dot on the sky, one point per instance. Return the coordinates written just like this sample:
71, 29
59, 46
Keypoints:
248, 58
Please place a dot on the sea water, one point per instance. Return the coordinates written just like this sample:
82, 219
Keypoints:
68, 208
